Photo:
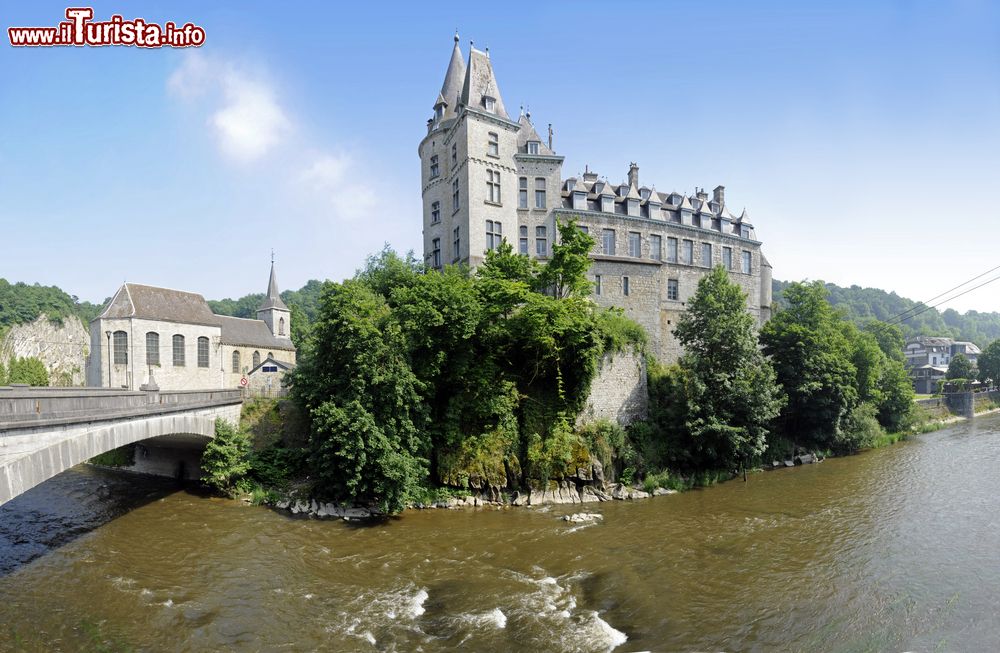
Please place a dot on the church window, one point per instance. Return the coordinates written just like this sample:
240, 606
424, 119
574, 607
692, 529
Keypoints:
687, 252
532, 147
493, 146
454, 155
236, 362
436, 253
493, 186
706, 255
634, 244
178, 350
121, 347
494, 235
522, 244
539, 192
490, 103
656, 247
608, 241
541, 241
456, 243
671, 250
152, 348
202, 351
625, 288
454, 195
746, 262
281, 326
435, 212
673, 289
256, 358
270, 355
435, 169
522, 193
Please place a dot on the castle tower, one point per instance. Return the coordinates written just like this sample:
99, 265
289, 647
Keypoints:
474, 181
273, 311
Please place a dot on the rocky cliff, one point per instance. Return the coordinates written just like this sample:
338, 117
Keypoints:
63, 348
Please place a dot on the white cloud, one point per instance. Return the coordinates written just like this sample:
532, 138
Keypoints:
329, 184
248, 120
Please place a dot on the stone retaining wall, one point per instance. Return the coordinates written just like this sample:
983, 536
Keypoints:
619, 392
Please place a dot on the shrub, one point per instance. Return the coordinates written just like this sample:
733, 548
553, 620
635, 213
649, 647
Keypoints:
226, 459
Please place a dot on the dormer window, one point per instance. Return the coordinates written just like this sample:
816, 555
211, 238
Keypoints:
644, 193
580, 201
607, 204
623, 190
533, 147
633, 207
490, 103
439, 111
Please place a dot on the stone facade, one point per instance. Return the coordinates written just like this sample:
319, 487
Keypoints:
486, 177
173, 338
619, 391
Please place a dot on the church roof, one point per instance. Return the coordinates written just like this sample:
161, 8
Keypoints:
454, 78
480, 82
273, 298
270, 361
152, 303
251, 333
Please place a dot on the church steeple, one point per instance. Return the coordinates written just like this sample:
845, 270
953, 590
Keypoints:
273, 311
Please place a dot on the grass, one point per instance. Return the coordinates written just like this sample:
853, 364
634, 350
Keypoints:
673, 481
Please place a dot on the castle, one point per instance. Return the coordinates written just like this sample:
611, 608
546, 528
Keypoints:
172, 339
486, 177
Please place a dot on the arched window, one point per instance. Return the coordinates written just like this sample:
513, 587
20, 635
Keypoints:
236, 362
178, 350
152, 348
281, 326
121, 348
202, 351
270, 355
256, 358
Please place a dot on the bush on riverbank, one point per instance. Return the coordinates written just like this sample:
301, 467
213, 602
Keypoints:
413, 378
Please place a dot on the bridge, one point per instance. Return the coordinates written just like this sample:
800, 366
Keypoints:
45, 431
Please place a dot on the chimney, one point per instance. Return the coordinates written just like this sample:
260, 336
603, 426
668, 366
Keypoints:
701, 194
719, 196
633, 174
589, 175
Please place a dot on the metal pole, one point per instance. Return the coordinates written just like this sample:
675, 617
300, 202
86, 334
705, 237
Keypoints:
109, 357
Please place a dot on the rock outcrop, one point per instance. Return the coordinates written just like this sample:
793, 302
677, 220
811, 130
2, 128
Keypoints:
62, 348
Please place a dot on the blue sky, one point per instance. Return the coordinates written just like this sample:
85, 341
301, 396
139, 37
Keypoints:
862, 137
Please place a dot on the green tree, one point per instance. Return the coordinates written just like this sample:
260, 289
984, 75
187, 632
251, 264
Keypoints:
961, 367
28, 370
889, 337
226, 458
367, 417
732, 393
989, 363
812, 359
565, 274
3, 374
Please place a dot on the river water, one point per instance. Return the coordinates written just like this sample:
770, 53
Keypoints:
891, 550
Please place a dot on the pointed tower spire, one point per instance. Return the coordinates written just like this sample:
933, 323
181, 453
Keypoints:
273, 298
454, 78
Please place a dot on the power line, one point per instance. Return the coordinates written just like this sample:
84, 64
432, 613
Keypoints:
925, 303
924, 310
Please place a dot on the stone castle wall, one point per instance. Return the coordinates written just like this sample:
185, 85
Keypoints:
619, 392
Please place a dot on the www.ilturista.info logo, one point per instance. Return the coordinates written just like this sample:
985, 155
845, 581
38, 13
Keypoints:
81, 30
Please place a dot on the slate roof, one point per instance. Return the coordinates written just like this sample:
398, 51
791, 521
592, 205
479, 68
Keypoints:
451, 89
152, 303
273, 298
270, 361
252, 333
480, 82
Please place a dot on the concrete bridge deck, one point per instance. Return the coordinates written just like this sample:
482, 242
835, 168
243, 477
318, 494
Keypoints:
44, 431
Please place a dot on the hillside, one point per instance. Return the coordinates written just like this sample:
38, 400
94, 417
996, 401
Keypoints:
863, 304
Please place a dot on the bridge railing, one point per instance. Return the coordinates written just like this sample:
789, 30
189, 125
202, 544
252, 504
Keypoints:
20, 406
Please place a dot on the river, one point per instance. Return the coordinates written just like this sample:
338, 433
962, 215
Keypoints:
891, 550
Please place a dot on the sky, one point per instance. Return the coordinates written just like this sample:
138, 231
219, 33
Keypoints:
863, 138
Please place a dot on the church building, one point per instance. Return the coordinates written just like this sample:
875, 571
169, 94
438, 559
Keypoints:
488, 177
173, 338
